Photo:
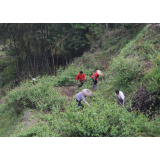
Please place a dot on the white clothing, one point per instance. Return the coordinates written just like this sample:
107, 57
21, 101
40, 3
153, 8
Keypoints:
120, 95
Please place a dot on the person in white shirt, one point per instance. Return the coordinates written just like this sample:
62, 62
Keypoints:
119, 97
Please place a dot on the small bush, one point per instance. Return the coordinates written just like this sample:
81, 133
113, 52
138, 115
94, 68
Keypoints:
125, 70
153, 77
39, 130
41, 96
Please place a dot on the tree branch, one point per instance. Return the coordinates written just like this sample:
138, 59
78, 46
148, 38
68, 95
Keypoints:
62, 39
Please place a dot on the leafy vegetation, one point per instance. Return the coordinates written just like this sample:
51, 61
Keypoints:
100, 120
128, 55
39, 95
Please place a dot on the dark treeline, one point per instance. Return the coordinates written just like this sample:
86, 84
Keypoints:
38, 49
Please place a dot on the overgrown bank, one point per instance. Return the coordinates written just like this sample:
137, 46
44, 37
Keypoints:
132, 66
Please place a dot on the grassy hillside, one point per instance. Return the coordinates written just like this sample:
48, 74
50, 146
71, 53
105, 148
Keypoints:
130, 60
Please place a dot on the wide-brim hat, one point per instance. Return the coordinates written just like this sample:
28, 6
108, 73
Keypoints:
100, 73
87, 92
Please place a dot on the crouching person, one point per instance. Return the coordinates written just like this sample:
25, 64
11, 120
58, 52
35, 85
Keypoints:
82, 95
119, 97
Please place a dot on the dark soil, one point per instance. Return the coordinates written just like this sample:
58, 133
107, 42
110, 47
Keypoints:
144, 102
69, 92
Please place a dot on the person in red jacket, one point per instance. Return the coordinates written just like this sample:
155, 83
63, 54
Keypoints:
95, 76
80, 76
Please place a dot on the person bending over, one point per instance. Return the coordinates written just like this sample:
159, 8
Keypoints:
82, 95
80, 77
120, 97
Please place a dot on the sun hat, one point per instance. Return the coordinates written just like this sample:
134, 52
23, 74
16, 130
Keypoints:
100, 73
87, 92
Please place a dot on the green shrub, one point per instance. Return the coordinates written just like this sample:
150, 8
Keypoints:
68, 75
106, 47
103, 119
8, 119
41, 96
65, 80
152, 78
39, 130
125, 71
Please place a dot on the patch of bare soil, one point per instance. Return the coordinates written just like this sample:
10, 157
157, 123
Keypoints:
144, 102
148, 66
29, 119
68, 91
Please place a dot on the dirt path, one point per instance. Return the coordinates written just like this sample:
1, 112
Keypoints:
68, 91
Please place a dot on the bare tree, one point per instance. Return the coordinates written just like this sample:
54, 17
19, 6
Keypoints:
107, 26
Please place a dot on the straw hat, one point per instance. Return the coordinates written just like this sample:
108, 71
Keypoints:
100, 73
87, 92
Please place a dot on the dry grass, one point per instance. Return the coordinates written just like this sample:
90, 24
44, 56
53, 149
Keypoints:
29, 118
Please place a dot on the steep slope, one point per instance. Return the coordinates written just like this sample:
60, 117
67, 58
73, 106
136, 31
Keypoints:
129, 60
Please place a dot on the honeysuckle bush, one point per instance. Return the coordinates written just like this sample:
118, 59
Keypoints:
107, 120
103, 119
41, 95
38, 130
125, 70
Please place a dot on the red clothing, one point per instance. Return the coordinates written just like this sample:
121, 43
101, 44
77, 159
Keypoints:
95, 75
80, 77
